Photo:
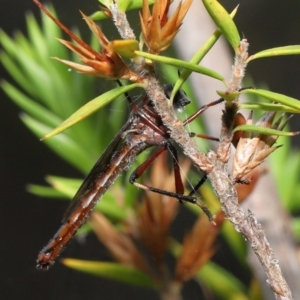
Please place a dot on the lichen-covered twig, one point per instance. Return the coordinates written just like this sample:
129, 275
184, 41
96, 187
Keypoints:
215, 165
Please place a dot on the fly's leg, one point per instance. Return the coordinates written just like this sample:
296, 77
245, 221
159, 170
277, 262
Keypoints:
196, 187
178, 181
201, 110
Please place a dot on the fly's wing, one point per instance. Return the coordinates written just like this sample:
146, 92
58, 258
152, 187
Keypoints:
97, 170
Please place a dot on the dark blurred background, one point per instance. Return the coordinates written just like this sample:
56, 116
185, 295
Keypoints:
26, 222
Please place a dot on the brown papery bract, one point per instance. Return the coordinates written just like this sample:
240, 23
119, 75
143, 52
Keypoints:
254, 148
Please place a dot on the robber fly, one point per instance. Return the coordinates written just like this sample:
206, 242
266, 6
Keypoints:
143, 130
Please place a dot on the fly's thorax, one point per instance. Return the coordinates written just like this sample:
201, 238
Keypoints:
143, 133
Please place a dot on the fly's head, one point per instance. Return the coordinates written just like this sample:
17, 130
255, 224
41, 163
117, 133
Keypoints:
180, 100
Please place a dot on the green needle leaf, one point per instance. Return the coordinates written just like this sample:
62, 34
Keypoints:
223, 20
112, 271
263, 130
222, 282
132, 4
30, 106
268, 107
63, 145
286, 50
283, 99
66, 186
44, 191
125, 48
91, 107
181, 64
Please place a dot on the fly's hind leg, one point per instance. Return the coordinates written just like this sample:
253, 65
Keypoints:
179, 194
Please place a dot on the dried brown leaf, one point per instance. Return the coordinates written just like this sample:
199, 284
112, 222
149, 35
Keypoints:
119, 244
197, 249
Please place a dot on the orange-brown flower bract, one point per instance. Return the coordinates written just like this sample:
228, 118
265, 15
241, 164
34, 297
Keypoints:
107, 64
159, 31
